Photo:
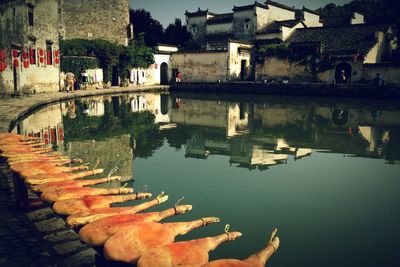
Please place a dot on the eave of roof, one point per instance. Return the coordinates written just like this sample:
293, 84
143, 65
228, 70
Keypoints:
268, 2
249, 7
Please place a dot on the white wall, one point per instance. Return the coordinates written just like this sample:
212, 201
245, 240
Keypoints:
277, 13
357, 18
220, 28
311, 19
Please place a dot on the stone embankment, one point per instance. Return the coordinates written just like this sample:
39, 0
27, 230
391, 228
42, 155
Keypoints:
314, 89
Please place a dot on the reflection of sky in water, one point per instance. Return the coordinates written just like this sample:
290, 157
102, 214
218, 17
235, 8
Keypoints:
316, 169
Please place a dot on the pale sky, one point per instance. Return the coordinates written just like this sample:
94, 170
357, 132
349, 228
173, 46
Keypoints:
165, 11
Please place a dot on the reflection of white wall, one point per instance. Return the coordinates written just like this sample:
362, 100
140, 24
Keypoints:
50, 116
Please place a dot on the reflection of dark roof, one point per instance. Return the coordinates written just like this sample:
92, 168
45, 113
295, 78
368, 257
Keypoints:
358, 38
275, 27
268, 2
249, 7
198, 13
6, 1
221, 18
310, 11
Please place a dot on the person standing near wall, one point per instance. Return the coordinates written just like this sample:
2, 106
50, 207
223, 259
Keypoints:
70, 78
178, 77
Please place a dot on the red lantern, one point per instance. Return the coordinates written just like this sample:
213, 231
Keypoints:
41, 59
2, 55
31, 52
32, 60
41, 52
57, 61
57, 53
15, 53
24, 55
16, 63
3, 66
26, 64
48, 61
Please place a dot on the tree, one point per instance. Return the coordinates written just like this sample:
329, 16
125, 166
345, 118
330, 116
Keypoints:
176, 33
143, 23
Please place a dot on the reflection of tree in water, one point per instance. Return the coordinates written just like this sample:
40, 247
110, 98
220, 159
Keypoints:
391, 148
116, 121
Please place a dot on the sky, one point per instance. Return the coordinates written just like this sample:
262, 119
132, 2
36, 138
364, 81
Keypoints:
165, 11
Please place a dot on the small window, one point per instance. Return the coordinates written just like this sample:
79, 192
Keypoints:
30, 15
49, 56
246, 25
194, 29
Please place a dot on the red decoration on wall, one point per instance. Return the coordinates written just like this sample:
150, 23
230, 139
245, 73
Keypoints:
32, 60
46, 138
26, 64
24, 55
57, 53
16, 62
41, 60
60, 134
3, 66
2, 55
15, 53
41, 52
57, 61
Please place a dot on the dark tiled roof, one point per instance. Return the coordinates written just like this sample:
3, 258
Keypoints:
275, 27
358, 38
268, 2
310, 11
198, 13
242, 8
339, 20
221, 18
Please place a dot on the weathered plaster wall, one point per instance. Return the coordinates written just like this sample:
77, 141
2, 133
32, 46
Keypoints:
244, 25
235, 59
198, 23
17, 34
262, 17
390, 73
286, 32
219, 28
201, 66
278, 68
311, 20
377, 53
97, 19
277, 13
357, 19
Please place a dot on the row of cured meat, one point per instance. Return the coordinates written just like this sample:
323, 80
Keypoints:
126, 234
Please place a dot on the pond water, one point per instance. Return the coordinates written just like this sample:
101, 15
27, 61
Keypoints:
324, 172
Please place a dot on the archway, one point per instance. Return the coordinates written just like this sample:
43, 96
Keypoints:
164, 73
343, 72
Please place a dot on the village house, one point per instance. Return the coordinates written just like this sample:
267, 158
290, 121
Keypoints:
29, 46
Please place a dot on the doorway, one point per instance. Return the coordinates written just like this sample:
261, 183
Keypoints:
343, 73
243, 71
164, 73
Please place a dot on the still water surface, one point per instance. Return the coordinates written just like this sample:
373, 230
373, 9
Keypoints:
325, 172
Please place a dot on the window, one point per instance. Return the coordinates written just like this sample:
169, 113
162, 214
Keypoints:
30, 15
194, 29
246, 25
49, 55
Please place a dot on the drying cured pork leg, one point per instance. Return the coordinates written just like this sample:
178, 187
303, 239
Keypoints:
129, 243
73, 183
27, 169
85, 203
187, 253
46, 178
96, 233
258, 259
96, 214
54, 195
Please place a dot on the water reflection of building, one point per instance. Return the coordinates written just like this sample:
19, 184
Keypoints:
46, 123
255, 135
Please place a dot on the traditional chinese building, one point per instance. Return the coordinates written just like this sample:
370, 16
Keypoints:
29, 46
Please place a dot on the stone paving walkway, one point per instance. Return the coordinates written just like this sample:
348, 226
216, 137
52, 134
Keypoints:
39, 237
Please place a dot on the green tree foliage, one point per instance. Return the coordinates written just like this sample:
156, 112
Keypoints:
108, 55
76, 64
279, 50
176, 33
143, 23
375, 11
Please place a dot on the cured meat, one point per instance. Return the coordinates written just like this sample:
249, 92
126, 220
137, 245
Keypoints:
27, 169
85, 203
96, 214
187, 253
256, 260
53, 195
73, 183
46, 178
96, 233
129, 243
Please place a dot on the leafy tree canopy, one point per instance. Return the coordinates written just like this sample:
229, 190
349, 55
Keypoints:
143, 23
176, 33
